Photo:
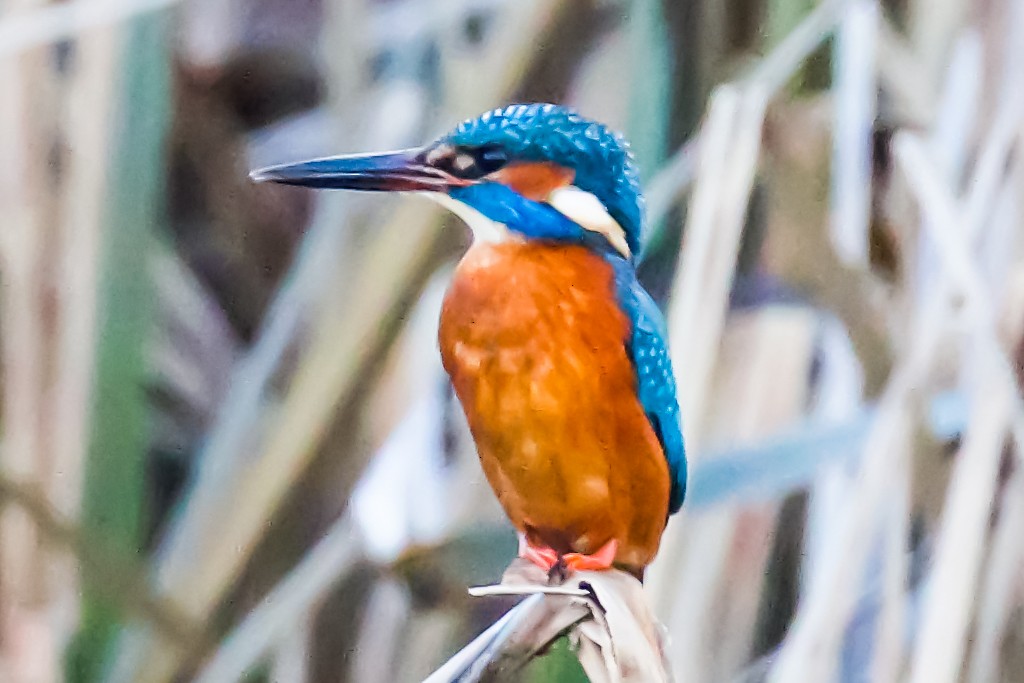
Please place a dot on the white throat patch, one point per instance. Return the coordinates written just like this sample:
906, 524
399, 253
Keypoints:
577, 205
484, 229
588, 212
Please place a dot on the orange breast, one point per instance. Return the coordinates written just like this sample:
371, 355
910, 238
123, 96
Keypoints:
535, 344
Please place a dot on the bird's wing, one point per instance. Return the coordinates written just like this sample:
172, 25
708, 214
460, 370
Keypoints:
656, 383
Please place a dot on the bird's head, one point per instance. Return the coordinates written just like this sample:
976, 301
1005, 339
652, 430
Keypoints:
536, 171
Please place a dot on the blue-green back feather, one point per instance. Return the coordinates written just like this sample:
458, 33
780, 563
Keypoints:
656, 384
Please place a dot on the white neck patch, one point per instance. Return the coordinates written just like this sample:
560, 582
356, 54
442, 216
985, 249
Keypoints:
589, 213
484, 229
577, 205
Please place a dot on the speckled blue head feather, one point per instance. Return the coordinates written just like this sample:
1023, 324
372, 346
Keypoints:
601, 158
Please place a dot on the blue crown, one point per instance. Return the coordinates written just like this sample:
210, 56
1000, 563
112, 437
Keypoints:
601, 158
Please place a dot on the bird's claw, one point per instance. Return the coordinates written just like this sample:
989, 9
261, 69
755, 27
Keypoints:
599, 561
545, 558
559, 566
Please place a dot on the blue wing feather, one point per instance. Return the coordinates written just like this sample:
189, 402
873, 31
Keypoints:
656, 384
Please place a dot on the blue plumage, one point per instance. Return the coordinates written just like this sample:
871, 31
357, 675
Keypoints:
601, 158
531, 219
656, 384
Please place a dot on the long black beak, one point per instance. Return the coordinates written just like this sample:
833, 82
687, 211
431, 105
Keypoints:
403, 171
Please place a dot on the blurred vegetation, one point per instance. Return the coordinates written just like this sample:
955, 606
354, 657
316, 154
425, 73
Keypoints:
114, 497
228, 450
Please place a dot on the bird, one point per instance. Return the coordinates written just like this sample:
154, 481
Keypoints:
556, 352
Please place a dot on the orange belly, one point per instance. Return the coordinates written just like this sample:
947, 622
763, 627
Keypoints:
535, 345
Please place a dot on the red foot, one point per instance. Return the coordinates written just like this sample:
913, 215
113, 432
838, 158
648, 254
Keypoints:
599, 561
549, 560
545, 558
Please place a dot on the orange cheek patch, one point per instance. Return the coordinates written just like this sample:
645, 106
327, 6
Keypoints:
534, 180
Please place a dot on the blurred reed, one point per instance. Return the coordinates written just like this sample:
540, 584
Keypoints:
845, 314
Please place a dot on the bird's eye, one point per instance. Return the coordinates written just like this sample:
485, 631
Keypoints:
490, 158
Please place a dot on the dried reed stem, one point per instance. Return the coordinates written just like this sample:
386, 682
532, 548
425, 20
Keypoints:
854, 116
46, 24
286, 606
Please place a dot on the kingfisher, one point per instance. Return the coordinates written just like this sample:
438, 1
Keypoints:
556, 352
